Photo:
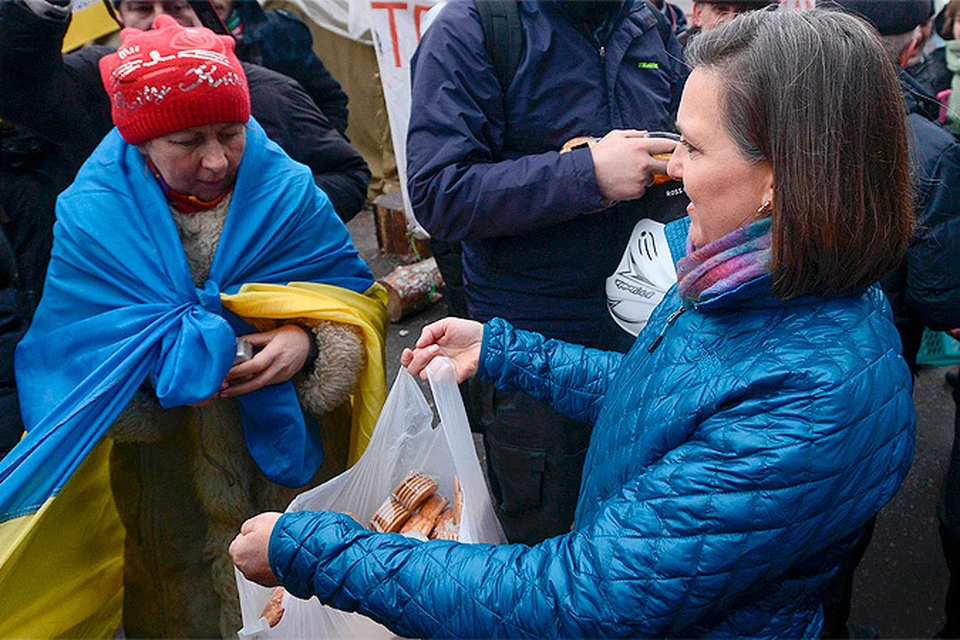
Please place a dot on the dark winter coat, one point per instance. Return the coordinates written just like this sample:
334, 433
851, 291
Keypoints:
62, 98
11, 329
281, 41
925, 288
932, 71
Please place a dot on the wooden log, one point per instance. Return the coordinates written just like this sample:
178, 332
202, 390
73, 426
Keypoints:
394, 237
412, 287
419, 241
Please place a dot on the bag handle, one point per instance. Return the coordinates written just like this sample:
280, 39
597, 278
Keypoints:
442, 375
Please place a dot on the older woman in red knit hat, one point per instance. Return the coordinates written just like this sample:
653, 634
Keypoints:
187, 200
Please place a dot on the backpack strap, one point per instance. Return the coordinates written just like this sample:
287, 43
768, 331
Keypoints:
502, 37
663, 26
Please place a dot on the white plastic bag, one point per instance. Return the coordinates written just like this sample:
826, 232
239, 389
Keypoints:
403, 441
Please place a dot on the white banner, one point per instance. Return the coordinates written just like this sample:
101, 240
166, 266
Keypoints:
396, 26
347, 18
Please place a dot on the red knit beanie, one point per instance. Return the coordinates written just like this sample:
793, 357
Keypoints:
172, 78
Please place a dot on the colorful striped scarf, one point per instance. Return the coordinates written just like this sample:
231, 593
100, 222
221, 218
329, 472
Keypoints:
723, 265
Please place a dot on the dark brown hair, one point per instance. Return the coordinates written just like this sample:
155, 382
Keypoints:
813, 93
945, 27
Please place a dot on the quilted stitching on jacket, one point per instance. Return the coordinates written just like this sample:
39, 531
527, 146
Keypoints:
728, 471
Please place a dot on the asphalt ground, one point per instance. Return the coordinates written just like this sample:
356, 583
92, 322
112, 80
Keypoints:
900, 585
902, 580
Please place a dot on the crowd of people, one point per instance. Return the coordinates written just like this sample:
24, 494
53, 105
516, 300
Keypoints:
174, 222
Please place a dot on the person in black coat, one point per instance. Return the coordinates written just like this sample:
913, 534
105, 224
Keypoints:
281, 41
924, 290
30, 179
61, 98
11, 330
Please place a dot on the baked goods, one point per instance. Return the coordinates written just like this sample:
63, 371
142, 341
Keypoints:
274, 609
457, 500
424, 519
414, 490
445, 528
390, 517
399, 506
416, 510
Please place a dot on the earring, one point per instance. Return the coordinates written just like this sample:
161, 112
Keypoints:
764, 208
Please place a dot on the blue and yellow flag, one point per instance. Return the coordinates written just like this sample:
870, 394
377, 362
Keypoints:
119, 308
90, 21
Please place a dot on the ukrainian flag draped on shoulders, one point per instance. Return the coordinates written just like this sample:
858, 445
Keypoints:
119, 307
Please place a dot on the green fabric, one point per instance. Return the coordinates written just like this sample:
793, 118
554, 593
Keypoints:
953, 64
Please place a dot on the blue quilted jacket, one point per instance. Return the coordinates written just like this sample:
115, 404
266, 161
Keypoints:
738, 449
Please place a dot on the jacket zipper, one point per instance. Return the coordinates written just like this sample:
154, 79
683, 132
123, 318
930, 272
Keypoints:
603, 80
670, 319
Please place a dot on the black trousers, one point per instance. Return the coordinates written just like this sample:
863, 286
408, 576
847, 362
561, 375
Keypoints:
11, 330
534, 460
839, 596
949, 513
450, 262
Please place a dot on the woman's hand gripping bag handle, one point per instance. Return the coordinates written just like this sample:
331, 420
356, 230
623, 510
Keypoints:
403, 441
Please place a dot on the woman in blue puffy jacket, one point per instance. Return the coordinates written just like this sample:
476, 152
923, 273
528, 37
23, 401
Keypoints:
760, 419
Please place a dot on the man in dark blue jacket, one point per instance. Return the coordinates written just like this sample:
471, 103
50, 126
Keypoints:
931, 290
540, 230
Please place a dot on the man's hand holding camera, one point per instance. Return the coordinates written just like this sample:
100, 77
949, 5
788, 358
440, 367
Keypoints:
624, 163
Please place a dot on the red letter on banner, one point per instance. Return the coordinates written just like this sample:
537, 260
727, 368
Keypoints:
418, 11
391, 6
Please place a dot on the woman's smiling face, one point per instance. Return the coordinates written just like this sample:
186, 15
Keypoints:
725, 189
199, 161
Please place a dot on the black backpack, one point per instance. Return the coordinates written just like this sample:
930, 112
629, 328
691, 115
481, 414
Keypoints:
503, 35
503, 40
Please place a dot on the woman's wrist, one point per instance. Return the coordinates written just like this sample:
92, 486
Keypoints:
314, 350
